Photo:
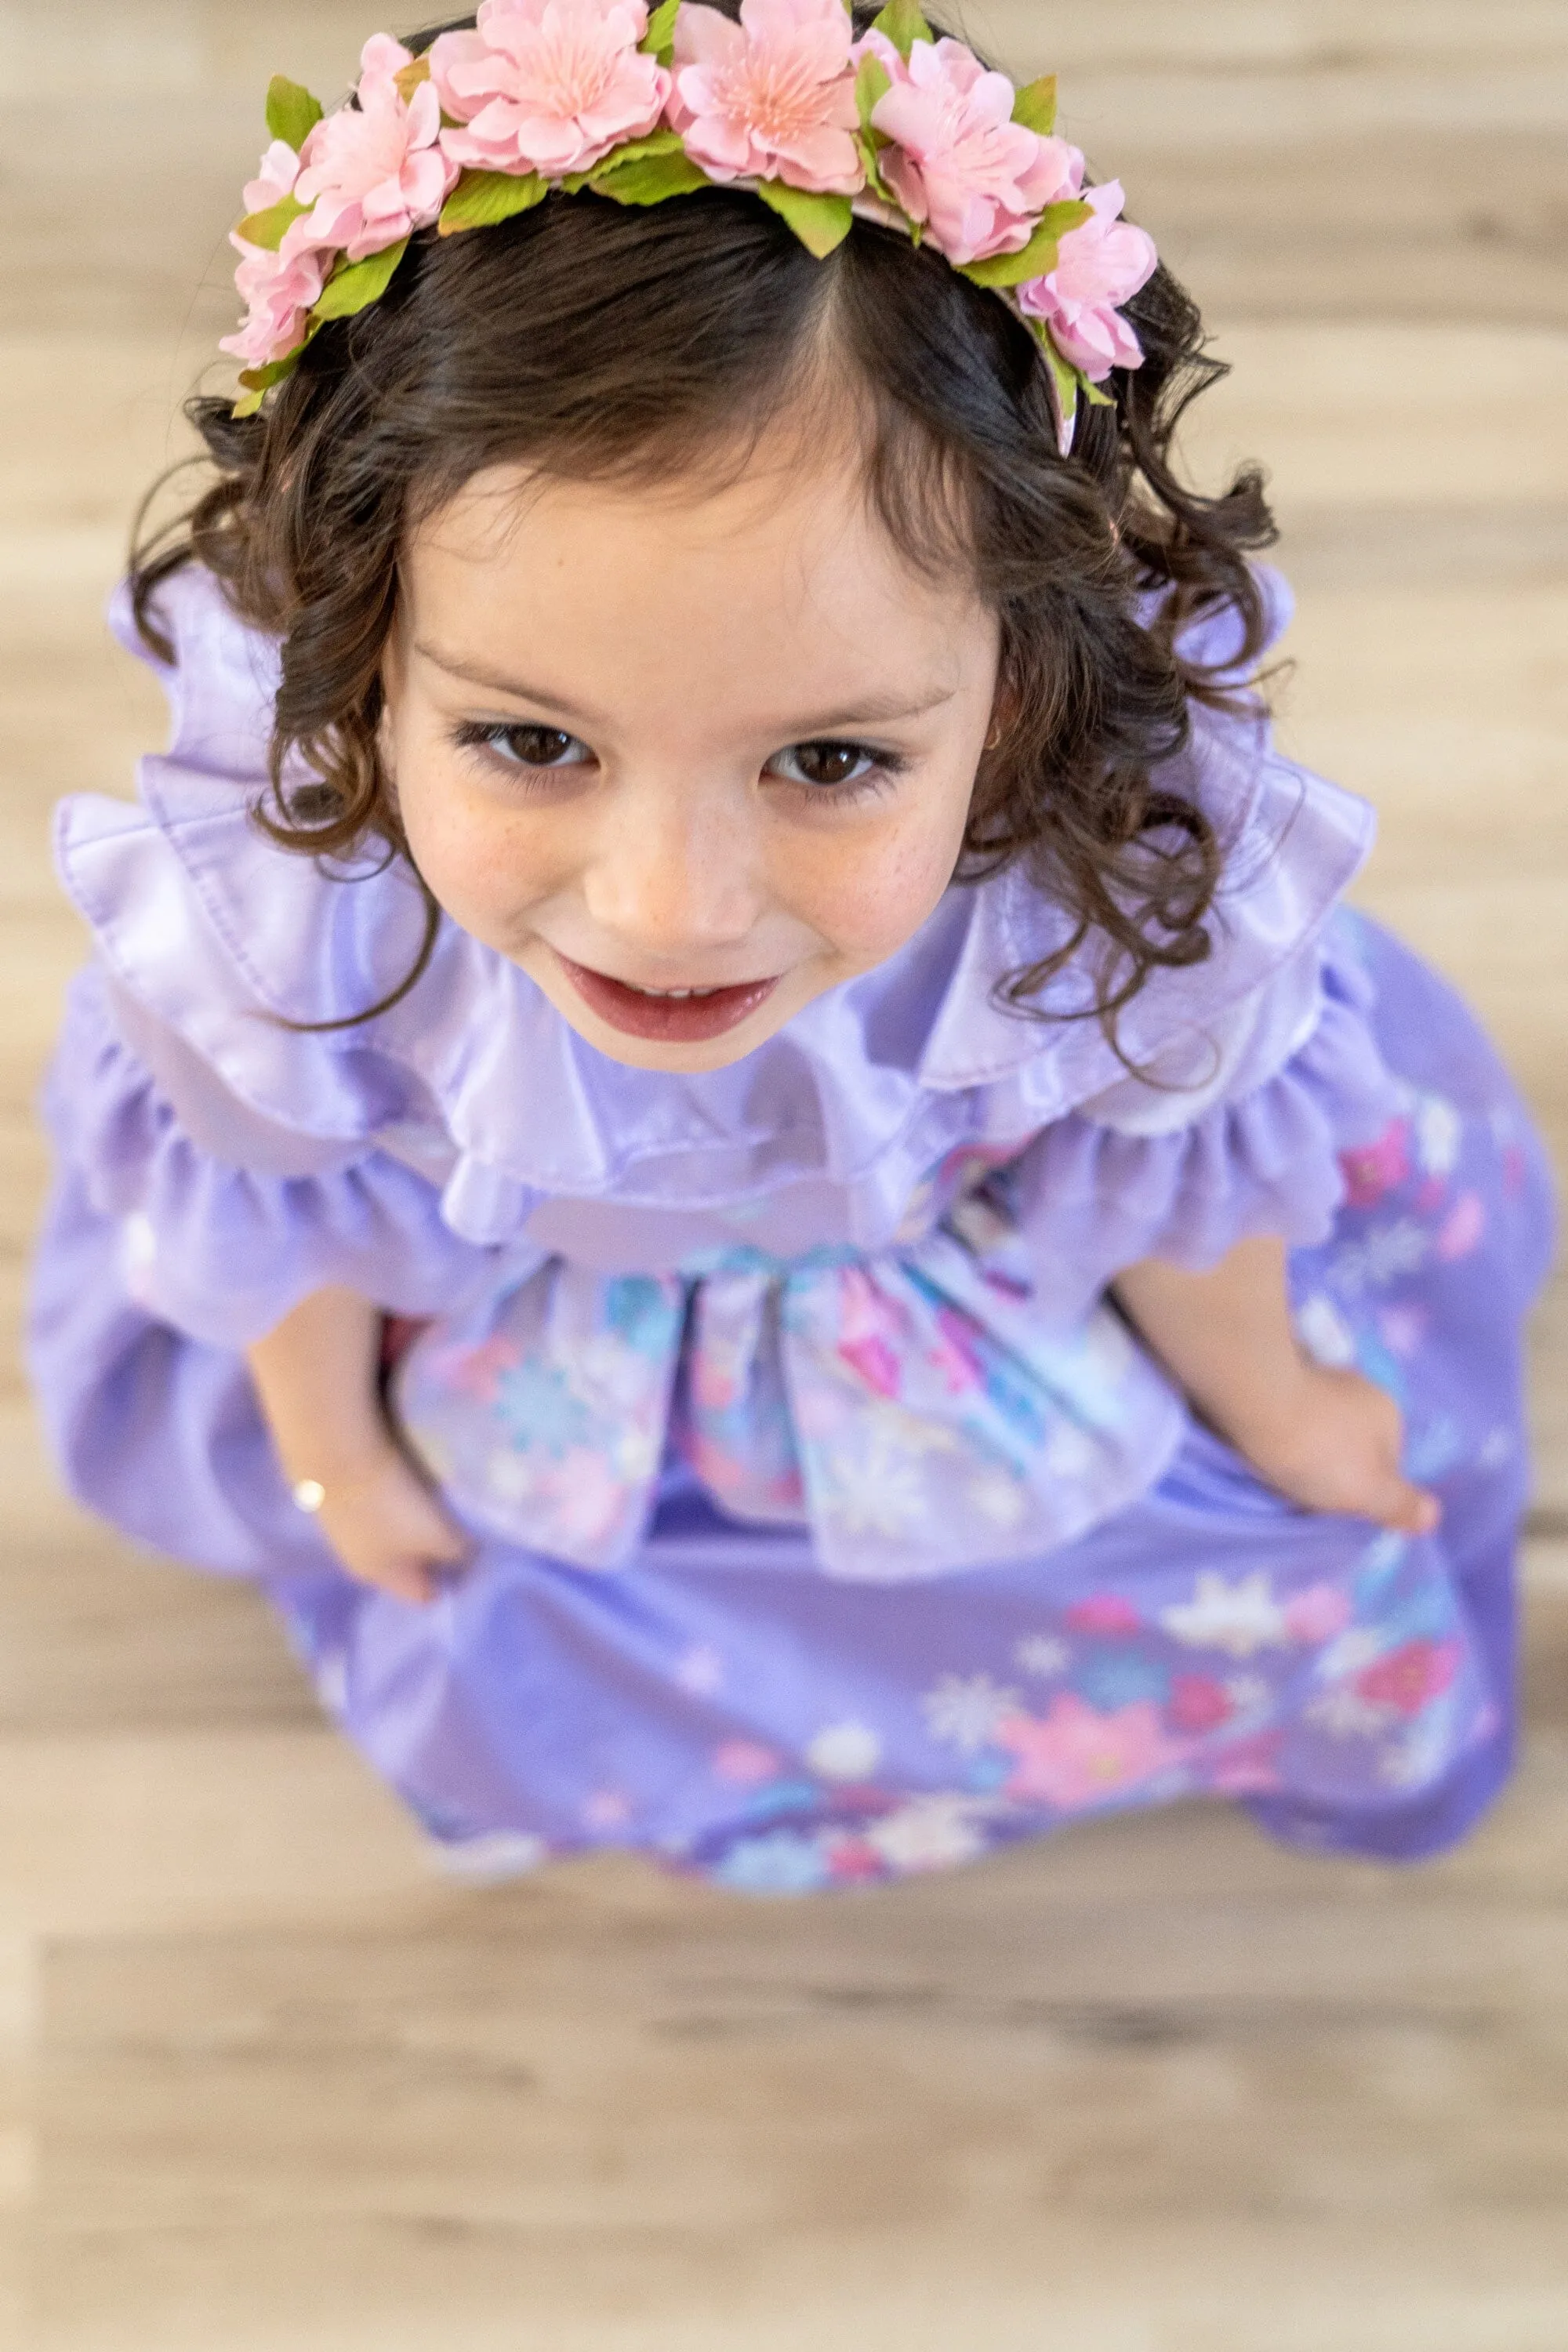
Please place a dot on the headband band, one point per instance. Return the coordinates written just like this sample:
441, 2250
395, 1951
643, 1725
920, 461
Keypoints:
548, 96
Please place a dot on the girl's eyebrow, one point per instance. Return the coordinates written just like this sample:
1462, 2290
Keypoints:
517, 688
876, 711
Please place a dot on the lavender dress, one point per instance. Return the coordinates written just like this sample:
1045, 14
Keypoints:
828, 1526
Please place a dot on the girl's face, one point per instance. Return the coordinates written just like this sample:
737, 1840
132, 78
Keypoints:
688, 756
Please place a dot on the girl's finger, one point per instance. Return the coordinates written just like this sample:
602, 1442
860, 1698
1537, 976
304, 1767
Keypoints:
1408, 1510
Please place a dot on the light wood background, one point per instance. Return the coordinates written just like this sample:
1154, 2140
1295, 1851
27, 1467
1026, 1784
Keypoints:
271, 2086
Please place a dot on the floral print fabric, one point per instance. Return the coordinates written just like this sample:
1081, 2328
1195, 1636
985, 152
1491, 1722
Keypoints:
908, 1408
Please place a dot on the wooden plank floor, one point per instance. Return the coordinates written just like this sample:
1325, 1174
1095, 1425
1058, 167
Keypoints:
267, 2085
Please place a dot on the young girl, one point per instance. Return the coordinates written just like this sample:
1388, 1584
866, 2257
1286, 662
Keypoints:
727, 1124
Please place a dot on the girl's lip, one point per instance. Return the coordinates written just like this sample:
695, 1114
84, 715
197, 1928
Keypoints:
666, 1020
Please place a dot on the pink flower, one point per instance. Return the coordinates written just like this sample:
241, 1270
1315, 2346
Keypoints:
279, 292
772, 97
1199, 1703
373, 173
548, 86
1099, 265
280, 170
959, 162
1463, 1230
1407, 1677
280, 289
1076, 1757
746, 1762
1247, 1767
1377, 1167
1102, 1612
1317, 1614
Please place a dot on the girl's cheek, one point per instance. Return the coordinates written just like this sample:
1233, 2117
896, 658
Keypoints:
868, 905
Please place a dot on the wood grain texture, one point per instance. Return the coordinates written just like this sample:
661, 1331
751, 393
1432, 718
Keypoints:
267, 2082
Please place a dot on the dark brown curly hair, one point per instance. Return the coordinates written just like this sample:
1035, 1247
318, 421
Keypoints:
591, 340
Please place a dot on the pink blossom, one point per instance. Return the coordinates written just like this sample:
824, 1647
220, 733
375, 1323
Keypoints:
1407, 1677
278, 171
1199, 1703
772, 97
959, 162
373, 173
280, 291
1103, 1613
1099, 265
1464, 1229
1377, 1167
548, 86
1076, 1757
746, 1762
1247, 1767
1317, 1614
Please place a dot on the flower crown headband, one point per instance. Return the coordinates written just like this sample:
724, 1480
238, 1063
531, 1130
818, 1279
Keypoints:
897, 127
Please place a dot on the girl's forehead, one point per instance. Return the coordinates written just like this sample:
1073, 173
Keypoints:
790, 535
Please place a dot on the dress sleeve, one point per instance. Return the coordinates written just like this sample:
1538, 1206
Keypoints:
1187, 1161
228, 1220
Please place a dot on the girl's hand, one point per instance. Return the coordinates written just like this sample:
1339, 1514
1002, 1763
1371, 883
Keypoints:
1330, 1441
387, 1528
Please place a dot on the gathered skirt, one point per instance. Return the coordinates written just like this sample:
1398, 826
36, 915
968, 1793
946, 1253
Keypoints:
727, 1707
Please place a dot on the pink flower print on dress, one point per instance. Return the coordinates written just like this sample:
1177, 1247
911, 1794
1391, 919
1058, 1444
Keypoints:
1407, 1678
373, 173
1377, 1167
1100, 265
1463, 1229
772, 97
1075, 1757
1103, 1613
869, 1328
1317, 1614
548, 86
1198, 1704
745, 1762
1247, 1767
959, 163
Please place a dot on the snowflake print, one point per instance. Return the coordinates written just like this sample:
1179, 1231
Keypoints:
1238, 1618
1344, 1714
964, 1711
1042, 1655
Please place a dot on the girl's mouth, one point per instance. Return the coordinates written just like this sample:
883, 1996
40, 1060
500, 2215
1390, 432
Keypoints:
670, 1017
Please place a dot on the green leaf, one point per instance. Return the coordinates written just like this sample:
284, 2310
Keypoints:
1065, 378
481, 199
872, 84
821, 223
1093, 394
267, 229
636, 151
653, 179
361, 284
903, 23
1035, 106
1038, 257
292, 112
658, 41
256, 383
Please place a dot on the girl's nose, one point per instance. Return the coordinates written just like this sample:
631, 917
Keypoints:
672, 885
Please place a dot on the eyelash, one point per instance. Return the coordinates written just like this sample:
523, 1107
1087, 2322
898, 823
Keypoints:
476, 735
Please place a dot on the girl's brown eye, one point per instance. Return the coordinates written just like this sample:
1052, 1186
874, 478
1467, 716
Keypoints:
540, 747
823, 765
